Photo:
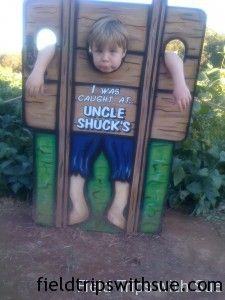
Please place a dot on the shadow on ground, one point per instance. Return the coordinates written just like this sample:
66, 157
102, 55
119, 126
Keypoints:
188, 249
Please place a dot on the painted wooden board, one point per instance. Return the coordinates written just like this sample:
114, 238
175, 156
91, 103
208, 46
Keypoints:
188, 25
160, 155
185, 24
169, 123
41, 111
45, 178
70, 77
41, 14
103, 109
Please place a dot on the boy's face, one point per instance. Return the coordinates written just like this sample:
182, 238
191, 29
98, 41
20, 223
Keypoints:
108, 58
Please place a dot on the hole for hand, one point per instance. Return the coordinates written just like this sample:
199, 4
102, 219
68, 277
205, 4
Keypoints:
45, 37
176, 46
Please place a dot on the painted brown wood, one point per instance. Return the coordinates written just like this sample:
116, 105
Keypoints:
40, 14
63, 102
40, 111
130, 107
68, 115
127, 75
186, 24
146, 111
132, 15
169, 123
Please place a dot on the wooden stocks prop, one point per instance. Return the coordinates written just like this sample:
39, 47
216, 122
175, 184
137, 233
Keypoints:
155, 34
142, 77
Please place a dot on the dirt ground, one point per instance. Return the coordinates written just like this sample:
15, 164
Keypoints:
188, 248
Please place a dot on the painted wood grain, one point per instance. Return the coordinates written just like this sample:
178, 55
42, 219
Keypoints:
169, 123
62, 128
186, 24
41, 14
146, 112
67, 106
40, 112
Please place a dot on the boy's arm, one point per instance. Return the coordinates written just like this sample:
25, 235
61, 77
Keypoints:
175, 67
35, 81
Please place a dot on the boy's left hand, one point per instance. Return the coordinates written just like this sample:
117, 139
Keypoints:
182, 96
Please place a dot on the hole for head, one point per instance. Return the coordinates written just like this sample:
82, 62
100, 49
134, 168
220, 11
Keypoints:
176, 46
107, 44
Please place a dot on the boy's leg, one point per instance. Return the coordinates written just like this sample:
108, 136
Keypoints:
115, 213
83, 150
119, 151
79, 211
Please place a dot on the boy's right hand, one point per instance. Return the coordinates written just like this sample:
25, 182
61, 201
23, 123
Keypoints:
35, 84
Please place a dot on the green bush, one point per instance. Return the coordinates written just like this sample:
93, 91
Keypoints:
10, 83
12, 61
199, 163
15, 151
15, 140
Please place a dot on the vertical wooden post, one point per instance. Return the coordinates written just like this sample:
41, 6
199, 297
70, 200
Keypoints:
148, 93
64, 103
68, 111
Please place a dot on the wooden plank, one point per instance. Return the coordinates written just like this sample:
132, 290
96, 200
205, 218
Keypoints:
67, 124
39, 15
63, 99
45, 175
187, 24
134, 16
124, 99
165, 81
169, 123
160, 155
146, 111
127, 75
40, 112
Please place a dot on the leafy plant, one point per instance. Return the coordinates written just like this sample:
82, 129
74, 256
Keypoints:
15, 151
12, 61
15, 140
10, 83
198, 177
199, 163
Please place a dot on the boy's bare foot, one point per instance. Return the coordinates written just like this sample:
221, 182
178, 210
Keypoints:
78, 215
116, 218
79, 211
115, 213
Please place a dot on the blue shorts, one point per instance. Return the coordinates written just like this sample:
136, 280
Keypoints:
118, 150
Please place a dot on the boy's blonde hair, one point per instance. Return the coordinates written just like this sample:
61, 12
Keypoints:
108, 30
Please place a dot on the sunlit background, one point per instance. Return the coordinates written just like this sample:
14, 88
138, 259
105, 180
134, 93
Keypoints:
11, 19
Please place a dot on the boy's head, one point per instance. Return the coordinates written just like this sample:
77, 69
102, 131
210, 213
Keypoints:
108, 42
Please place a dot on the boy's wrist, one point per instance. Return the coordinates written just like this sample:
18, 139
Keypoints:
39, 70
179, 83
